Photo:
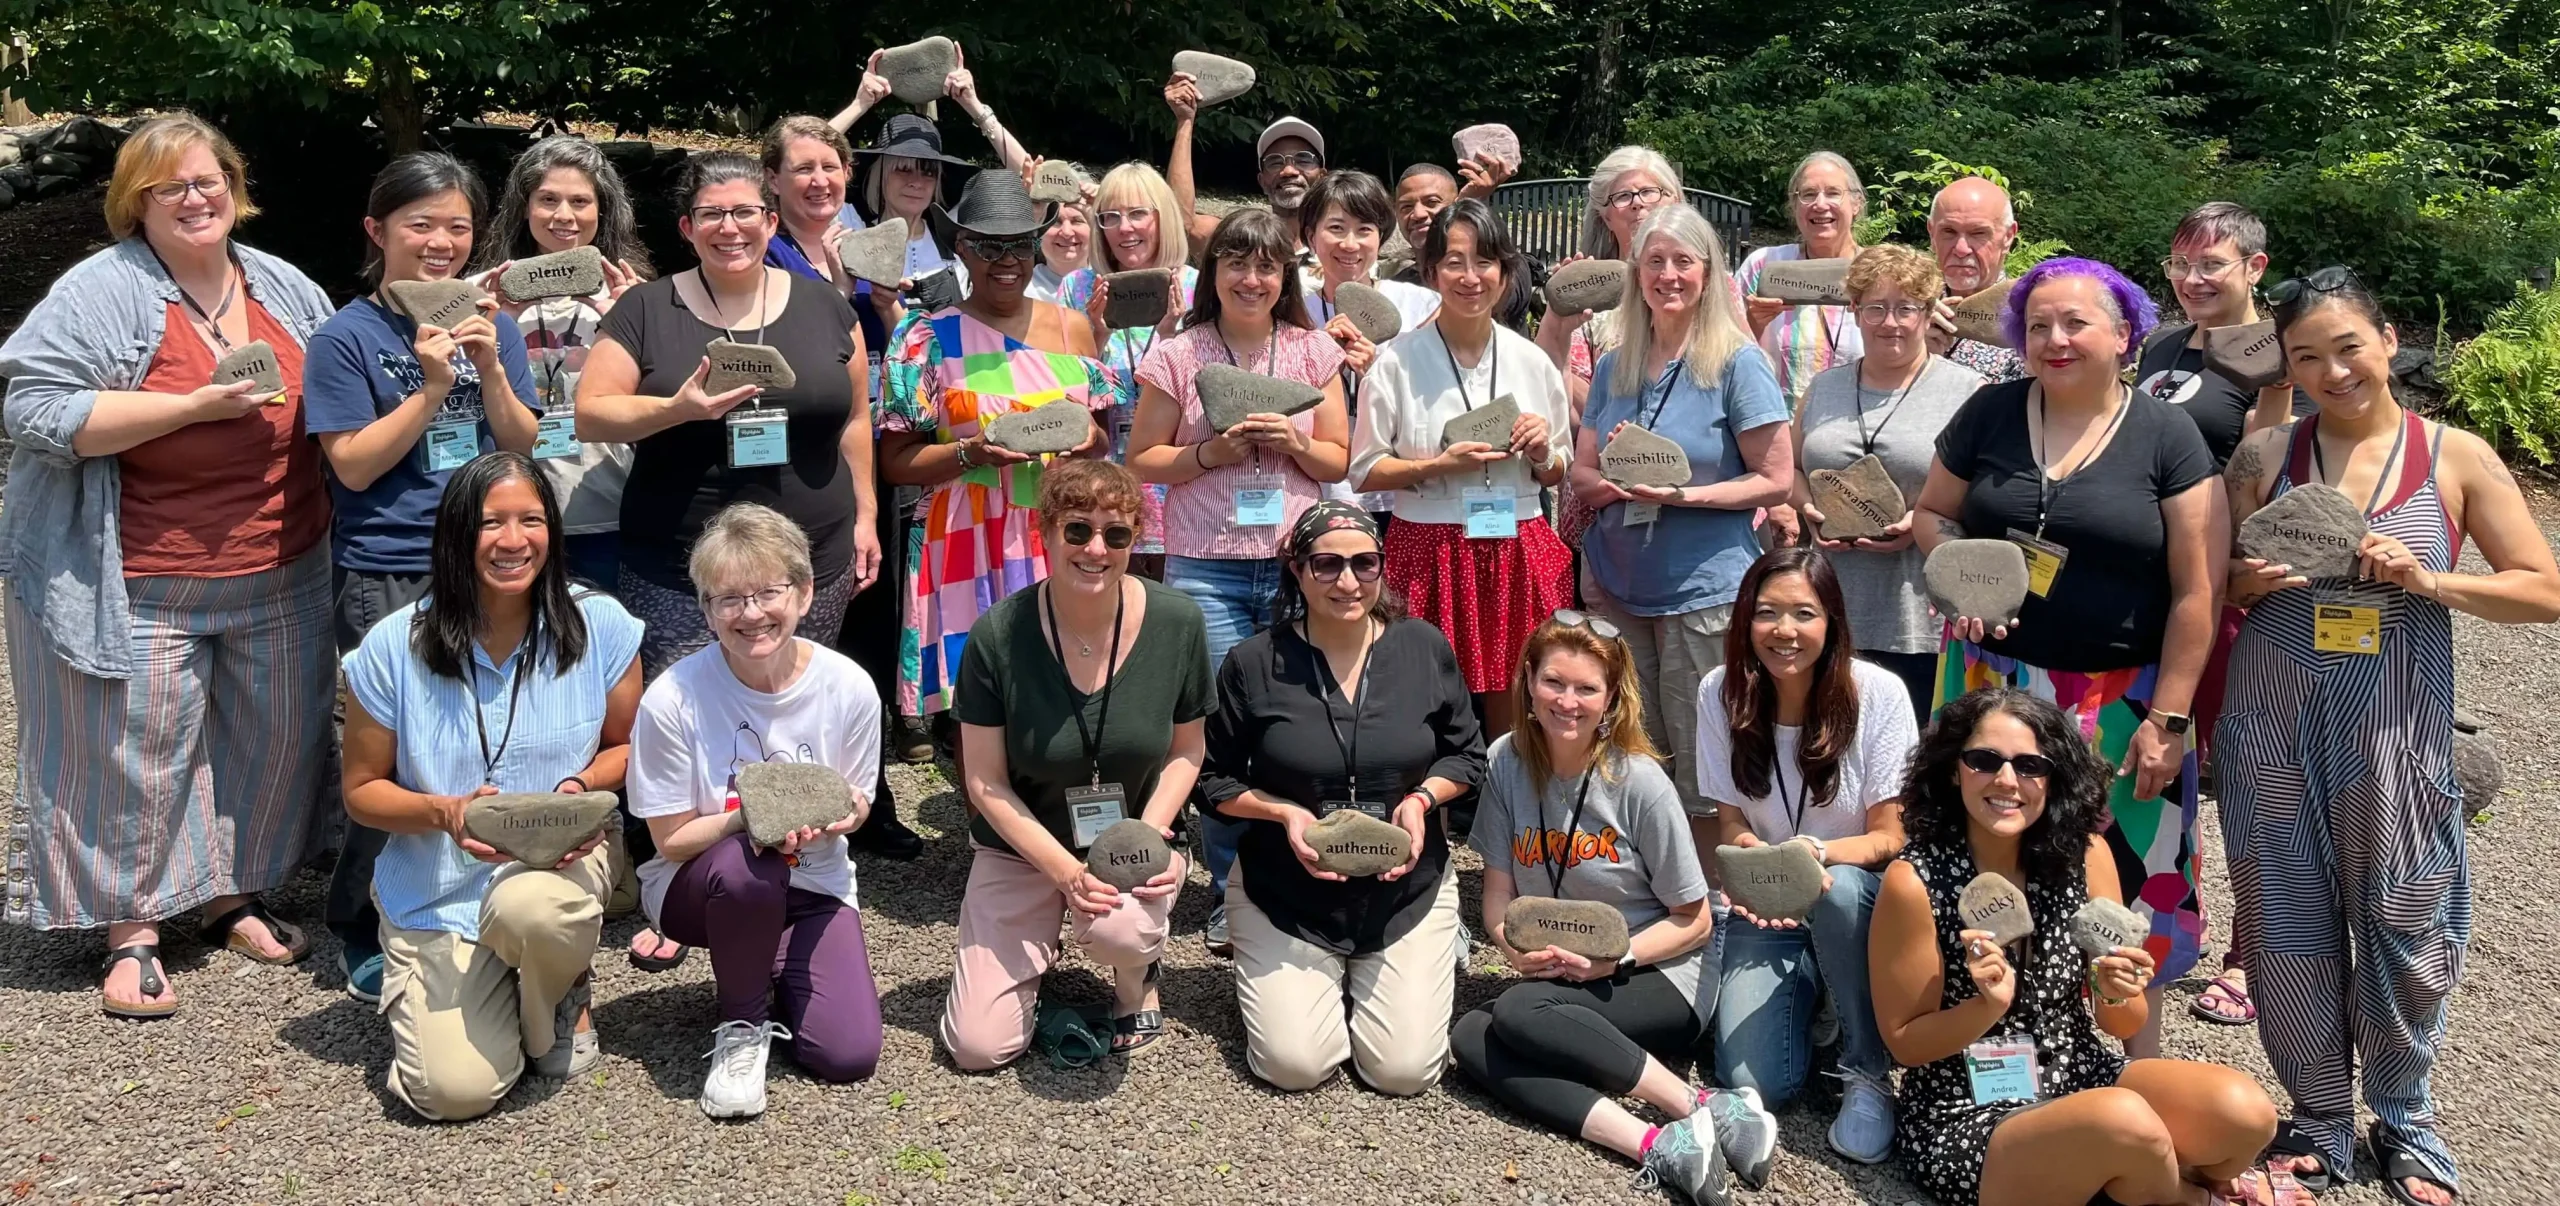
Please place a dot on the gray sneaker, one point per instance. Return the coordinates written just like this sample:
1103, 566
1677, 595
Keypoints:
1745, 1130
1684, 1158
573, 1051
1864, 1130
735, 1086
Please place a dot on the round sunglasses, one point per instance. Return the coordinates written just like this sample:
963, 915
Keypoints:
1988, 762
1115, 537
1328, 567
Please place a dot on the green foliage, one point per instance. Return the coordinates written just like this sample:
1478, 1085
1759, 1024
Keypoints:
2504, 384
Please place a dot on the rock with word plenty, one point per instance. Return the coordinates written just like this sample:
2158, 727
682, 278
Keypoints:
2249, 355
735, 364
255, 361
782, 798
1490, 423
2102, 925
1588, 928
1055, 180
1228, 394
1369, 310
916, 70
1978, 317
1995, 906
577, 272
1856, 500
1129, 853
2477, 769
1060, 426
1982, 579
1777, 883
1807, 282
1584, 286
2312, 527
876, 253
1353, 843
1139, 298
434, 303
1637, 457
538, 828
1491, 138
1220, 78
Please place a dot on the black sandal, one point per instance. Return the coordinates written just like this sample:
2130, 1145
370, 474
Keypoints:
659, 963
1142, 1028
2290, 1144
224, 931
2400, 1164
146, 957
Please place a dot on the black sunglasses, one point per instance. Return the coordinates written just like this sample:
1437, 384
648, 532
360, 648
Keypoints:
1599, 627
1988, 762
996, 251
1327, 567
1114, 537
2327, 280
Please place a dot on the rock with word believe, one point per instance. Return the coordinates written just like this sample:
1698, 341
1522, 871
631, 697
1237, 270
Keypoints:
2102, 925
252, 361
2312, 527
1138, 298
1857, 500
1994, 905
1353, 843
434, 303
1584, 286
1982, 579
2477, 770
1228, 394
1490, 423
2248, 355
1491, 138
1369, 310
916, 70
876, 253
1055, 180
781, 798
1637, 457
1777, 883
735, 364
1127, 854
1588, 928
1220, 78
577, 272
537, 828
1060, 426
1807, 282
1978, 317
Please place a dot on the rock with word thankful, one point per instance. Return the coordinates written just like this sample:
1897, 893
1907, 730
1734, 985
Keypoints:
1353, 843
537, 828
1588, 928
1857, 500
781, 798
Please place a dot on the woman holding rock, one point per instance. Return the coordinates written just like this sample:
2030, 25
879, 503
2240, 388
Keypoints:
1081, 701
1347, 706
2341, 819
901, 176
1889, 403
486, 956
2011, 1098
1629, 184
1068, 246
1343, 223
1131, 218
1577, 807
1661, 561
1826, 200
168, 617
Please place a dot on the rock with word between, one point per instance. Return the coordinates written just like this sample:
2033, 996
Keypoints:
1994, 905
1807, 282
1588, 928
781, 798
577, 272
1138, 298
2311, 527
1354, 843
1060, 426
1637, 457
1857, 500
1369, 310
1491, 138
1984, 580
1777, 883
1490, 423
2102, 925
735, 364
434, 303
2477, 769
2249, 355
1978, 317
1220, 78
1584, 286
916, 70
1055, 180
876, 253
1129, 853
539, 828
1228, 394
254, 361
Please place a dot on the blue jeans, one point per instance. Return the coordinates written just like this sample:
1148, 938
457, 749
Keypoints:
1771, 982
1235, 598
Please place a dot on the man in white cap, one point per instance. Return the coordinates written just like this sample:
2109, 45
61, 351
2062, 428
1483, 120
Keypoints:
1972, 226
1288, 158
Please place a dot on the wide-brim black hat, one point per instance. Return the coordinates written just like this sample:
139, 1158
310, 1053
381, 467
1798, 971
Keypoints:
995, 203
910, 136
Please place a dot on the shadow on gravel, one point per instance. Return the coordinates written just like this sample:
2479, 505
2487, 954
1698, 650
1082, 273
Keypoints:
916, 1007
665, 1030
72, 961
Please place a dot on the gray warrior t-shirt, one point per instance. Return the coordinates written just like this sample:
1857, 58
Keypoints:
1888, 612
1630, 848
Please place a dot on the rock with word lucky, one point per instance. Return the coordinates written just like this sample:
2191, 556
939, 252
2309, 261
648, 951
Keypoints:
1129, 853
1060, 426
1588, 928
1637, 457
252, 361
577, 272
1777, 883
1994, 905
1983, 579
782, 797
537, 828
1228, 394
1857, 500
2311, 527
1356, 844
1584, 286
1220, 78
2102, 925
735, 364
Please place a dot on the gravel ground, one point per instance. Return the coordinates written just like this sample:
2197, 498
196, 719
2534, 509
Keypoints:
268, 1087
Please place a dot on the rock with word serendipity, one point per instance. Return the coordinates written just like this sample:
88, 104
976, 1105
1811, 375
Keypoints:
1138, 298
1584, 286
1978, 317
876, 253
1857, 500
1588, 928
1129, 853
735, 364
2248, 355
781, 798
537, 828
1777, 883
2477, 769
1228, 394
1490, 423
577, 272
1371, 311
1637, 457
1982, 579
1060, 426
916, 70
1055, 180
2102, 925
2312, 527
254, 361
1491, 138
1221, 79
434, 303
1994, 905
1348, 842
1807, 282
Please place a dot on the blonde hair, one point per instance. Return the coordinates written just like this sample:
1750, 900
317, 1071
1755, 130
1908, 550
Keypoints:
1716, 333
1596, 240
1141, 183
1916, 271
150, 156
1625, 722
749, 540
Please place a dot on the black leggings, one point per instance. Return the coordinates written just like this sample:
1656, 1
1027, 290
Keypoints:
1552, 1048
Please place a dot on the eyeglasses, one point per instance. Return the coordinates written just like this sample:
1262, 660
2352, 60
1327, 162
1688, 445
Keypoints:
2178, 268
730, 607
2327, 280
1902, 311
1809, 196
996, 250
743, 215
1111, 219
1115, 537
211, 188
1600, 628
1301, 160
1988, 762
1328, 567
1651, 194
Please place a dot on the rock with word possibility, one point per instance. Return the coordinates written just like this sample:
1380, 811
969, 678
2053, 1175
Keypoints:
2249, 355
252, 361
1776, 882
1369, 310
1221, 79
1129, 853
1060, 426
876, 253
916, 70
1584, 286
577, 272
1356, 844
2102, 925
2312, 527
1857, 500
1637, 457
782, 797
1490, 423
734, 364
1588, 928
1807, 282
538, 828
1996, 906
1491, 138
1228, 394
434, 303
1983, 579
1138, 298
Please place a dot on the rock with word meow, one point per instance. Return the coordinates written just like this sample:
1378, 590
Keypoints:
736, 364
876, 253
1353, 843
2102, 925
1138, 298
1228, 394
1220, 78
2311, 527
1129, 853
577, 272
1584, 286
1978, 317
1369, 310
2249, 354
537, 828
434, 303
1983, 579
1777, 883
1055, 180
1491, 138
780, 798
1637, 457
1994, 905
1490, 423
1060, 426
253, 361
1857, 500
1588, 928
916, 70
1807, 282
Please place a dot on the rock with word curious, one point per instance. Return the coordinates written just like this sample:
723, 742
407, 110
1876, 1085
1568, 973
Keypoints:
2102, 925
1994, 905
780, 798
1137, 298
1353, 843
537, 828
1369, 310
577, 272
916, 70
1221, 79
1982, 579
1060, 426
1228, 394
1857, 500
2311, 527
434, 303
876, 253
1490, 423
252, 361
2249, 354
1978, 317
1128, 854
1588, 928
1585, 286
735, 364
1777, 883
1491, 138
1807, 282
1637, 457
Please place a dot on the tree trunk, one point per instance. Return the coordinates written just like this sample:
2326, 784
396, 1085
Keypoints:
403, 120
1595, 113
13, 112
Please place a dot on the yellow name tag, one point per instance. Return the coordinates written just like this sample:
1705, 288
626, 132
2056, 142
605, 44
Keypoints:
2338, 628
2044, 560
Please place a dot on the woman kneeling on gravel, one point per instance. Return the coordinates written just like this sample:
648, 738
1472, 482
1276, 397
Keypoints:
502, 679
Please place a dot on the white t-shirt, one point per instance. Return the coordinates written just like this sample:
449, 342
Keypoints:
1869, 774
698, 724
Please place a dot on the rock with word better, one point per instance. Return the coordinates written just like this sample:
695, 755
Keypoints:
1982, 579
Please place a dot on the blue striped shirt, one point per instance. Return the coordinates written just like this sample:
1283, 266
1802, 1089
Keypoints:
424, 881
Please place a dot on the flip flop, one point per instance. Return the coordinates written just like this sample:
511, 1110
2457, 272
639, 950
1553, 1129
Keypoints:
146, 957
659, 963
2291, 1144
2400, 1164
2230, 992
224, 931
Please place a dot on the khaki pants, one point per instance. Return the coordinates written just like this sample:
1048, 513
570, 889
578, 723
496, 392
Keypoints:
1396, 1030
1009, 939
1672, 654
466, 1015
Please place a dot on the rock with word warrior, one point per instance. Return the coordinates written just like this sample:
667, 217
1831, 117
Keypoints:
1588, 928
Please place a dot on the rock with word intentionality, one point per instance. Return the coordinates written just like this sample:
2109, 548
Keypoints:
1060, 426
1138, 298
1777, 883
2312, 527
577, 272
1978, 317
1491, 138
252, 361
1228, 394
1129, 853
2249, 355
735, 364
781, 798
1983, 579
876, 253
1490, 423
1369, 310
1055, 180
1584, 286
1994, 905
2102, 925
1588, 928
1637, 457
1807, 282
537, 828
434, 303
916, 70
1221, 78
1353, 843
1856, 500
2477, 769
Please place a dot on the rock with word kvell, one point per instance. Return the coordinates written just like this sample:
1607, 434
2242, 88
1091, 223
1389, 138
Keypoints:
1490, 423
1356, 844
780, 798
577, 272
1994, 905
1584, 286
1588, 928
2249, 355
1139, 298
736, 364
1369, 310
1128, 853
537, 828
1220, 78
1857, 500
1978, 317
2311, 527
434, 303
253, 361
2102, 925
1491, 138
915, 71
1983, 579
2477, 770
876, 253
1055, 180
1777, 883
1228, 394
1807, 282
1060, 426
1637, 457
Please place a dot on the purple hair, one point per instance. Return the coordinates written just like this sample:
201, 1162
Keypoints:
2127, 301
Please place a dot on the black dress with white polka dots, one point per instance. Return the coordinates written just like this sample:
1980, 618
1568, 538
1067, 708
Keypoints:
1944, 1134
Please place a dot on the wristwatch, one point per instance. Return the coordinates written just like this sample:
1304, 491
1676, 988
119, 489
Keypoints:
2171, 723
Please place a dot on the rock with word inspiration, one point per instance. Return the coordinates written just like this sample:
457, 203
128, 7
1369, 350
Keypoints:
1978, 317
1129, 853
434, 303
735, 364
2249, 355
1584, 286
1491, 138
916, 70
1353, 843
1138, 298
1220, 78
1857, 500
1490, 423
1777, 883
1060, 426
1983, 579
1994, 905
1588, 928
577, 272
2477, 769
1637, 457
1807, 282
252, 361
1055, 180
537, 828
2102, 925
2311, 527
780, 798
1228, 394
1369, 310
876, 253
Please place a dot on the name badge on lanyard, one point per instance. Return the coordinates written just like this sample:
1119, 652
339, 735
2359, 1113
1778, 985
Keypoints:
1491, 512
758, 436
451, 443
557, 437
1638, 514
2002, 1071
1261, 501
1090, 810
2044, 560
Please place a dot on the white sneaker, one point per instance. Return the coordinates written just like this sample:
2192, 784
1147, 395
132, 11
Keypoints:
1864, 1130
735, 1086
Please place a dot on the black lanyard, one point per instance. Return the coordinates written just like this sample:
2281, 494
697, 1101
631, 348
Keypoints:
1110, 670
1556, 856
1778, 780
1867, 439
1357, 698
521, 664
2049, 491
212, 322
1493, 382
2381, 480
1663, 399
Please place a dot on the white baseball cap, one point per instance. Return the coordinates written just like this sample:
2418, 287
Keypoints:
1284, 128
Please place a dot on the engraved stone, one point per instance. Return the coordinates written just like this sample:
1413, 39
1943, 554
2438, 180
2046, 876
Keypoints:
781, 797
1983, 579
1978, 317
1127, 854
1353, 843
1055, 180
1060, 426
539, 828
1807, 282
1228, 394
1858, 499
1369, 310
2249, 355
2467, 721
434, 303
253, 361
1637, 457
2102, 925
1138, 298
1491, 138
736, 364
1777, 883
916, 70
1221, 78
2311, 527
1588, 928
2477, 769
577, 272
1490, 423
876, 253
1584, 286
1994, 905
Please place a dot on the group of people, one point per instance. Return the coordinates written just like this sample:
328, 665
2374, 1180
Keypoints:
546, 556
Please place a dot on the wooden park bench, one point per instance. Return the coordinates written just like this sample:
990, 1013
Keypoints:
1545, 217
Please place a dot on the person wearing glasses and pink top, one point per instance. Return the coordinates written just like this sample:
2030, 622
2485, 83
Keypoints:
1826, 200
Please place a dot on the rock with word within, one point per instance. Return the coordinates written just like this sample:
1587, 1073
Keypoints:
2102, 925
2477, 770
1777, 883
1220, 78
735, 364
253, 361
1138, 298
1491, 138
1984, 580
1994, 905
1228, 394
1806, 282
781, 798
1060, 426
916, 70
537, 828
1637, 457
2311, 527
1857, 500
434, 303
1055, 180
2248, 355
1584, 286
1490, 423
1369, 310
1588, 928
577, 272
876, 253
1129, 853
1354, 843
1978, 317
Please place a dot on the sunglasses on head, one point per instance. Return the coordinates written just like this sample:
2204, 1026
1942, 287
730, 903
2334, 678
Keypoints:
1600, 628
2327, 280
1114, 536
1988, 762
1328, 567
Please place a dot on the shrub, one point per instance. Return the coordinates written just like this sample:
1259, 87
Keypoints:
2504, 384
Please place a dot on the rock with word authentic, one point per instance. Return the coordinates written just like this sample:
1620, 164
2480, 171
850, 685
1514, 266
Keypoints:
253, 361
2477, 769
2312, 527
1994, 905
1777, 883
1138, 298
1369, 310
1982, 579
1228, 394
2102, 925
1857, 500
1129, 853
434, 303
1055, 180
1584, 286
1220, 78
876, 253
1978, 317
735, 364
1588, 928
1491, 138
1490, 423
1637, 457
577, 272
781, 798
916, 70
1807, 282
1354, 843
537, 828
1060, 426
2249, 355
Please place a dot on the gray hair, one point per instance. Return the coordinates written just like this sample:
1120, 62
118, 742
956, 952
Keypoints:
616, 237
1795, 179
1596, 240
749, 540
1716, 330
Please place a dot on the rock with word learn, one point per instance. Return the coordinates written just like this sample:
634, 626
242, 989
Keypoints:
1585, 286
1588, 928
1983, 579
537, 828
1857, 500
2102, 925
1055, 180
1221, 79
1060, 426
735, 364
1490, 423
1978, 317
876, 253
1994, 905
434, 303
1491, 138
577, 272
1354, 843
1777, 883
252, 361
1128, 854
1228, 394
2249, 355
1806, 282
781, 798
916, 70
1138, 298
1637, 457
1369, 310
2311, 527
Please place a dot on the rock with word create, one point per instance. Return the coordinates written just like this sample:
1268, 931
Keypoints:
1982, 579
780, 798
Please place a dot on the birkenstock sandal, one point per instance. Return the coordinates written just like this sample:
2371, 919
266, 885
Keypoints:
2399, 1164
224, 931
146, 959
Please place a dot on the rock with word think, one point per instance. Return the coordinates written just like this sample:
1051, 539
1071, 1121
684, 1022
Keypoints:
577, 272
1221, 79
1985, 580
2312, 527
1637, 457
782, 798
1369, 310
1491, 138
1978, 317
1996, 906
1060, 426
1354, 843
1584, 286
1138, 298
537, 828
1129, 853
1777, 883
2102, 925
2477, 770
1857, 500
1807, 282
916, 70
1490, 423
2249, 355
253, 361
434, 303
735, 364
1228, 394
876, 253
1588, 928
1055, 180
